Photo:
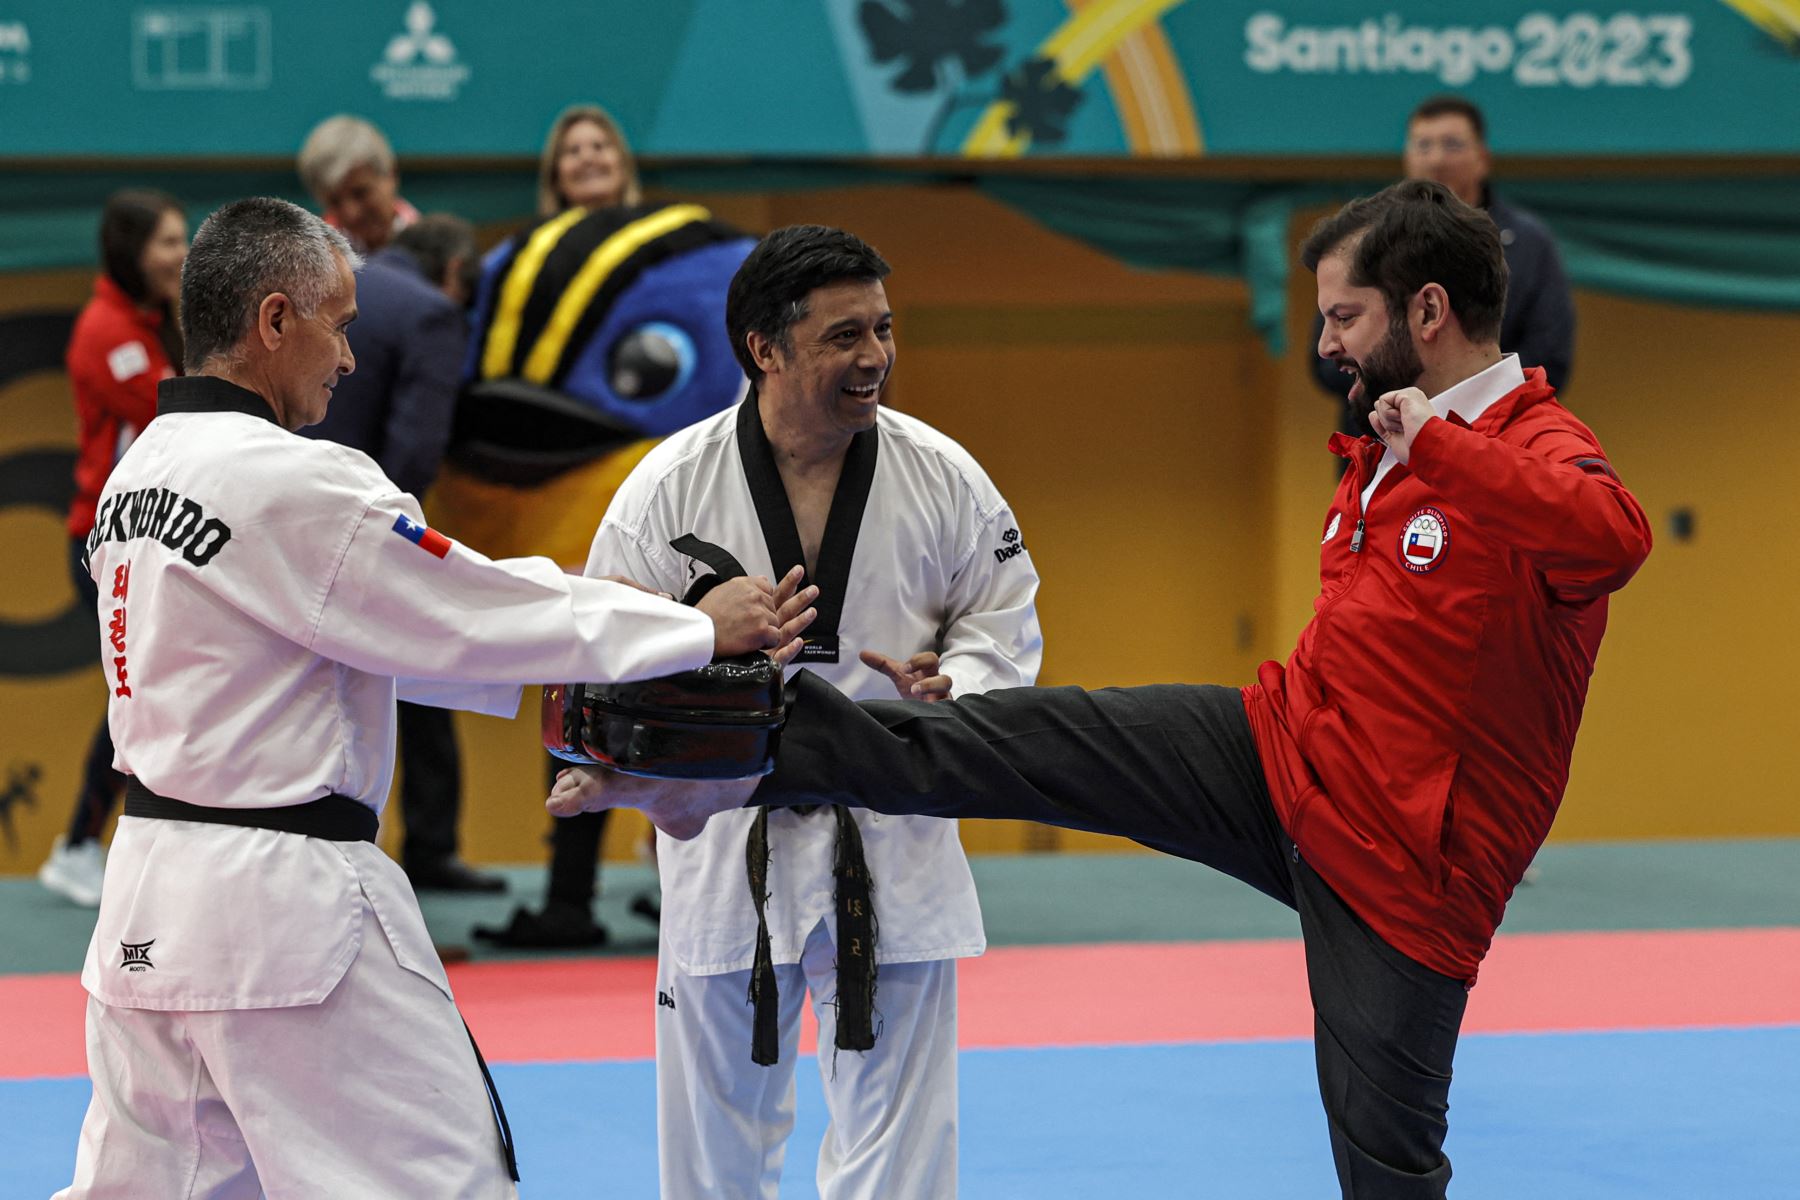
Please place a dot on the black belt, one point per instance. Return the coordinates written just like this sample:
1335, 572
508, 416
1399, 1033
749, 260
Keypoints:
334, 818
856, 924
857, 930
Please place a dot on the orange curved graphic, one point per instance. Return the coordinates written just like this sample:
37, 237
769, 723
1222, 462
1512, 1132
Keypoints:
1151, 95
1125, 39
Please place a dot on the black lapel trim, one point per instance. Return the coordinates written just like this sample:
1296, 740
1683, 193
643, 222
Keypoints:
773, 511
209, 393
837, 549
721, 560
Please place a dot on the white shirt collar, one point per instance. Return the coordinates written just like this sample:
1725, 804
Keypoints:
1468, 400
1480, 391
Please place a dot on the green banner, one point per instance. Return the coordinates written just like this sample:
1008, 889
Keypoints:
977, 78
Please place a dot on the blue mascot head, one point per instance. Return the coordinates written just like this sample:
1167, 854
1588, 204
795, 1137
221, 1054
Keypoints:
595, 334
594, 330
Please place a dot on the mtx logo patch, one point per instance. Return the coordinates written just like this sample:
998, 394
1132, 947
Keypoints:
135, 956
1424, 541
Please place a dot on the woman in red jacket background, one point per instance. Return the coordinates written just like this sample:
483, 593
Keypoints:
125, 342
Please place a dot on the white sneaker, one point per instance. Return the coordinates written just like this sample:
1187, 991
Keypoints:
75, 872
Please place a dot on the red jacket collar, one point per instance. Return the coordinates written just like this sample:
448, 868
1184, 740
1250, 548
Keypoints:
114, 297
1535, 390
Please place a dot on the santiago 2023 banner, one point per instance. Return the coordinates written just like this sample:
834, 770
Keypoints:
899, 78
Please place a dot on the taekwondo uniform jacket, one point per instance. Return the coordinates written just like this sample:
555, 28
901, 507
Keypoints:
932, 559
263, 600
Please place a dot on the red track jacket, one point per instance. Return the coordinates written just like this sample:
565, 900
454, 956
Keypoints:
1417, 742
115, 361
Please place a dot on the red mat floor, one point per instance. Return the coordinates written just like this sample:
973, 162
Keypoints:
1098, 995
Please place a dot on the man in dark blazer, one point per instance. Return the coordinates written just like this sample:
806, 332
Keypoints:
409, 338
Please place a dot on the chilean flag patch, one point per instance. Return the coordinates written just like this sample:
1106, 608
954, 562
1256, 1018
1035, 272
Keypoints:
422, 536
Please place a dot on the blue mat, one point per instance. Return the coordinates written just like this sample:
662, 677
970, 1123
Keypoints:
1606, 1116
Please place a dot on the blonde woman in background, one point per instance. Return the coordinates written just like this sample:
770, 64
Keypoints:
587, 163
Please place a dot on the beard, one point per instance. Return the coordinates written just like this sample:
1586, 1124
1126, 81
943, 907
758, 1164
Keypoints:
1392, 365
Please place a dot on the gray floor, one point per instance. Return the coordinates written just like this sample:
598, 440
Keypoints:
1051, 898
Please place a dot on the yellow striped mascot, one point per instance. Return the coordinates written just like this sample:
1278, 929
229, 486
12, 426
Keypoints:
596, 333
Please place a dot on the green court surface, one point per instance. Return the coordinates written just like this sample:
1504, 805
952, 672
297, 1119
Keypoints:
1049, 899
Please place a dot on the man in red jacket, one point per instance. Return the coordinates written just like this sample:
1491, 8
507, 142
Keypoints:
1393, 779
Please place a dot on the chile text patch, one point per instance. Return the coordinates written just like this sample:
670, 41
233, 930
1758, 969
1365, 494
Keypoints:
422, 536
1424, 541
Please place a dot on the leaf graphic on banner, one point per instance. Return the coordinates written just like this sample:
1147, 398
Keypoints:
926, 34
1041, 101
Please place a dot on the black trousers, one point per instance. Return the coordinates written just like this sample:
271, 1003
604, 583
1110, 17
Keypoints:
430, 783
574, 850
1174, 767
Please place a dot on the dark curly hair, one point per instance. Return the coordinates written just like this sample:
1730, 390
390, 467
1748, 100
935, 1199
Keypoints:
1414, 233
768, 293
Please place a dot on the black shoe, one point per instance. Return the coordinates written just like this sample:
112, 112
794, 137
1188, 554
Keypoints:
561, 926
452, 875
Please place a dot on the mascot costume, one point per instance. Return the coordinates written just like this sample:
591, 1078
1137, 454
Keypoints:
595, 335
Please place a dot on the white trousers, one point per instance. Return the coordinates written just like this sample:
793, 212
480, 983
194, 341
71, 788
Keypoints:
372, 1093
723, 1121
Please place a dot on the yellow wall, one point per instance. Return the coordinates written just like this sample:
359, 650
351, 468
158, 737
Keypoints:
1112, 407
1692, 726
45, 723
1170, 478
1115, 410
1693, 721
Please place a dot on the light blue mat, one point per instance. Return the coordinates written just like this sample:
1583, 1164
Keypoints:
1607, 1116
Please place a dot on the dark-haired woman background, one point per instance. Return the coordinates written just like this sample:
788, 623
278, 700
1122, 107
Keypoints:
126, 340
